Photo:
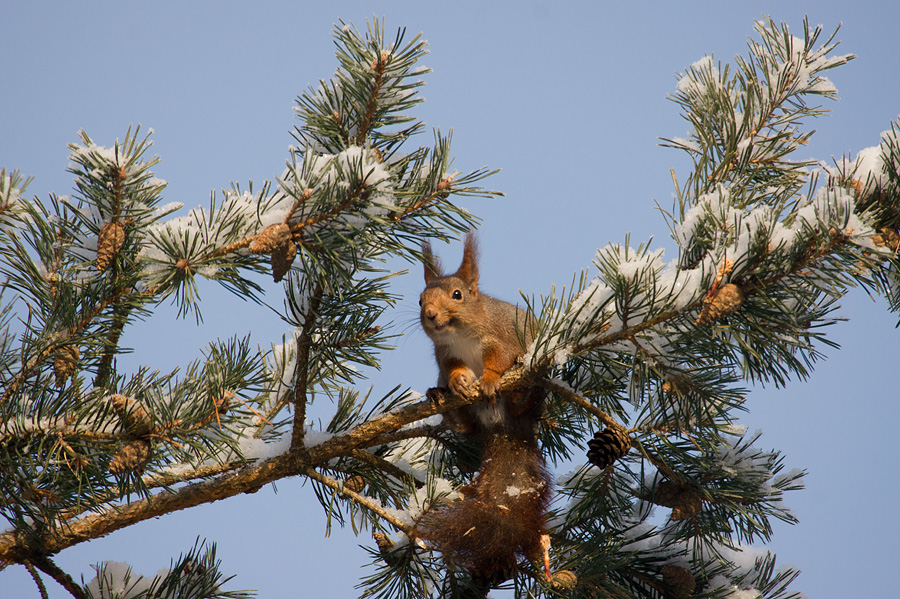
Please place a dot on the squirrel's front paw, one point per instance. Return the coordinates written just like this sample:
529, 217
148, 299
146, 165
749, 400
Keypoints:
459, 383
435, 395
490, 384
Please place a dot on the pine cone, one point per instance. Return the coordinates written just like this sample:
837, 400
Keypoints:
65, 364
270, 238
684, 501
132, 458
564, 581
727, 299
355, 483
679, 582
276, 240
384, 543
386, 548
282, 258
134, 416
109, 242
607, 446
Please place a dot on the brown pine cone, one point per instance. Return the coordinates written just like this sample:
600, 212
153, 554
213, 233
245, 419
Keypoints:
679, 582
273, 236
282, 258
132, 458
134, 416
727, 299
386, 548
684, 501
109, 242
65, 364
607, 446
564, 581
355, 483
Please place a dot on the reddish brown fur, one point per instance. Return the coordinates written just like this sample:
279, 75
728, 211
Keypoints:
495, 329
501, 518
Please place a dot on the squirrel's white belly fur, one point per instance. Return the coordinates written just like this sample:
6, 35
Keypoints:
469, 351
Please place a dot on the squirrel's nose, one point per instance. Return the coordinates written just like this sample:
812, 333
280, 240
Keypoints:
430, 312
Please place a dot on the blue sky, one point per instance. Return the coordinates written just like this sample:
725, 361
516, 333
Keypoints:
569, 100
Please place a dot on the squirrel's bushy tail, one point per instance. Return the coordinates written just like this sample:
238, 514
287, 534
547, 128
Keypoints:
501, 516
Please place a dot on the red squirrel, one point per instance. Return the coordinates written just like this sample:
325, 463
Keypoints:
501, 516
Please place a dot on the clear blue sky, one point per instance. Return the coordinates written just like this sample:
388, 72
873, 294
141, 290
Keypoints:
568, 99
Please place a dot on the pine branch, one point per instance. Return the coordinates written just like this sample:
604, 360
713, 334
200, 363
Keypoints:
154, 481
759, 268
246, 480
369, 114
372, 432
440, 194
79, 329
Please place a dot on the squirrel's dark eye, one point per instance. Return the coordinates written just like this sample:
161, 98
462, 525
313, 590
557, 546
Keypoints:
457, 294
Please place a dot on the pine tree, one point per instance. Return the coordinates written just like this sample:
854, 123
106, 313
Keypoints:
642, 363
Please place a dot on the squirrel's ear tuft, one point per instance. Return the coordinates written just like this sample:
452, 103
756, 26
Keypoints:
432, 263
468, 270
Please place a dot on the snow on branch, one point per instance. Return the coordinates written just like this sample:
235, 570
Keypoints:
747, 120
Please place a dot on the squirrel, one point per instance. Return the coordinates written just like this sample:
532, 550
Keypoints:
501, 514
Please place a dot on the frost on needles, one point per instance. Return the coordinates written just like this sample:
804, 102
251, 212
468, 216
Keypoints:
648, 350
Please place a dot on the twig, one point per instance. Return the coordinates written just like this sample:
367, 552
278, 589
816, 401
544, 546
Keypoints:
378, 67
360, 499
48, 567
314, 220
304, 341
382, 464
231, 247
120, 313
37, 580
61, 432
295, 227
570, 396
435, 196
655, 460
113, 518
155, 481
104, 369
365, 433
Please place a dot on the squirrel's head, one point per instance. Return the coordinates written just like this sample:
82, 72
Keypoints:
447, 299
